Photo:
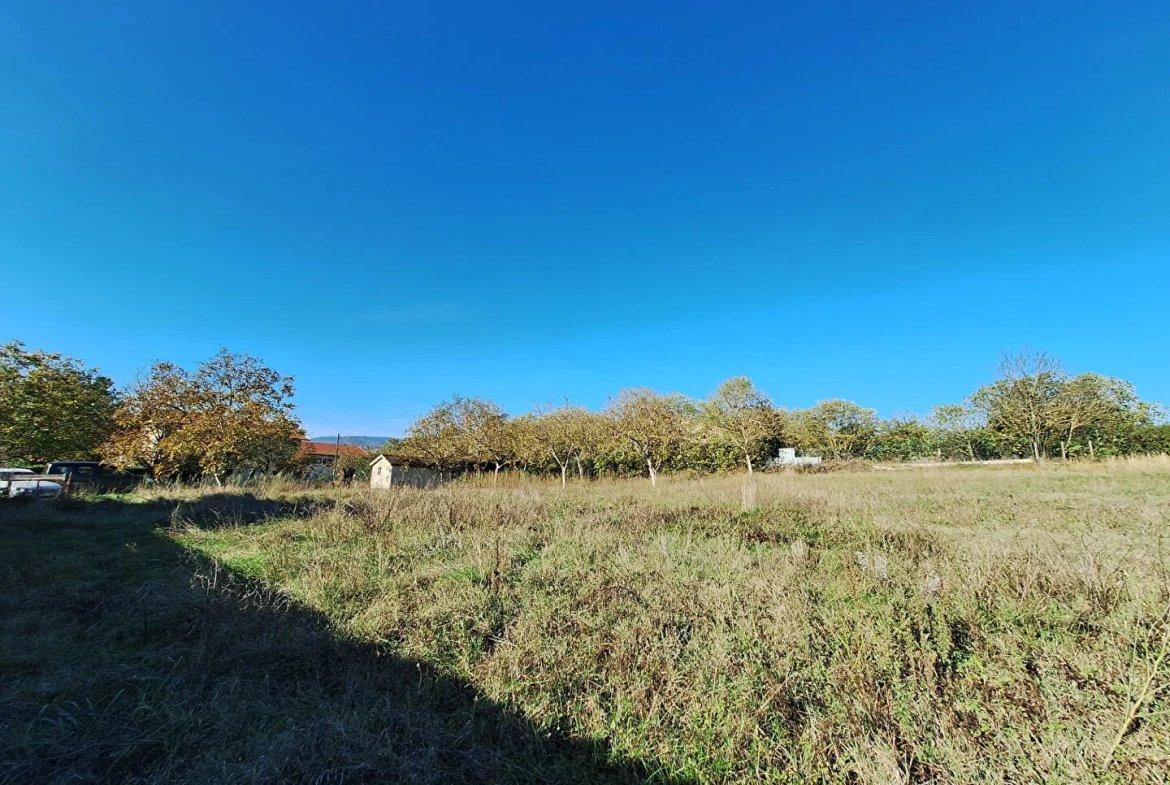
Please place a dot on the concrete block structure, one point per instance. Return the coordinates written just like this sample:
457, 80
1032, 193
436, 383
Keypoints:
788, 457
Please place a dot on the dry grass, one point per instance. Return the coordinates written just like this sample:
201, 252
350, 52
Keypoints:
994, 624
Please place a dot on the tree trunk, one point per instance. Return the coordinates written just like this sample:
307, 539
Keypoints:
1036, 449
496, 474
1092, 455
1063, 450
653, 474
580, 468
748, 455
564, 472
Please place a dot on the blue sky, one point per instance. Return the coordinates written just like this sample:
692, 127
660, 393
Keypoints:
527, 201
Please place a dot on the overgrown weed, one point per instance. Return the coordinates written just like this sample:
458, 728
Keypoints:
980, 625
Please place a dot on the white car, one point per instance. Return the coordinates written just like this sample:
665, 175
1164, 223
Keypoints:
12, 485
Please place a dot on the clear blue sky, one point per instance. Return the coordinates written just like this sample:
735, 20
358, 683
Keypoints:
395, 202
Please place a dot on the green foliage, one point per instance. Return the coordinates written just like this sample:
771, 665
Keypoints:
1037, 409
958, 432
1151, 439
905, 438
836, 429
52, 407
740, 415
389, 447
230, 413
358, 464
564, 435
483, 431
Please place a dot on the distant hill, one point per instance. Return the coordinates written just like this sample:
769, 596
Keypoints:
366, 442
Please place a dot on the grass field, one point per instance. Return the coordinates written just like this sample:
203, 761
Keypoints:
966, 625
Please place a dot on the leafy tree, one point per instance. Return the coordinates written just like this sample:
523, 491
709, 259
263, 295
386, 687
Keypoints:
1152, 438
231, 413
148, 422
358, 464
708, 456
562, 434
390, 446
904, 437
435, 439
593, 434
1033, 408
526, 450
1093, 411
52, 407
1024, 403
483, 427
653, 425
956, 426
836, 428
739, 413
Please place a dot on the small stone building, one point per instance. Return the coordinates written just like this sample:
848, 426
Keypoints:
385, 473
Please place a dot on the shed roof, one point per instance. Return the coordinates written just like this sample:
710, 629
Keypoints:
399, 461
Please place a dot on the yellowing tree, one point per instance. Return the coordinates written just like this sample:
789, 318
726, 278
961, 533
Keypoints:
434, 439
146, 424
522, 438
52, 407
231, 413
740, 414
563, 435
483, 428
654, 425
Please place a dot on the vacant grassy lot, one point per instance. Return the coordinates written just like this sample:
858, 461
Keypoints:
951, 625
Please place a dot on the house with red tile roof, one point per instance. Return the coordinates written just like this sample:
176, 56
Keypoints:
320, 457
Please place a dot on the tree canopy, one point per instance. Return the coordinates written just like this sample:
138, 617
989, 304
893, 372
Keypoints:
739, 413
52, 407
231, 413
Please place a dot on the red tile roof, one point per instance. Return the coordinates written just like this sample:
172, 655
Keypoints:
344, 450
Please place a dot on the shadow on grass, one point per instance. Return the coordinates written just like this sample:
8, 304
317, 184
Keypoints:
126, 658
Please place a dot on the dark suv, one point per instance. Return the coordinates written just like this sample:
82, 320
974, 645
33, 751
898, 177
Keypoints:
78, 469
93, 475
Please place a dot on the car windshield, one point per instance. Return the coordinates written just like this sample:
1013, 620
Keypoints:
85, 470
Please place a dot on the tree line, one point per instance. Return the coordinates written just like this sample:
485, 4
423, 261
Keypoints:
229, 413
1034, 409
232, 413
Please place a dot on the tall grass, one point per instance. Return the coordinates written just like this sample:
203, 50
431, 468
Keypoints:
1002, 624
